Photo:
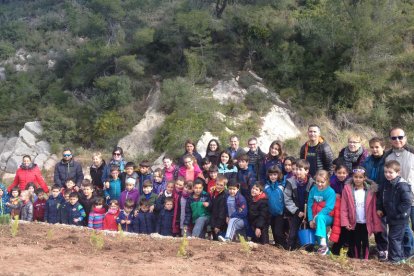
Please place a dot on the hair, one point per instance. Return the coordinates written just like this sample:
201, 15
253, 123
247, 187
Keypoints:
97, 154
189, 184
167, 157
243, 157
39, 191
26, 193
169, 199
291, 159
114, 202
130, 165
159, 171
340, 166
377, 140
130, 180
117, 148
223, 178
205, 161
73, 195
147, 183
145, 163
251, 139
275, 169
230, 164
233, 183
87, 183
234, 136
199, 181
55, 187
314, 125
213, 168
67, 192
144, 202
27, 156
15, 189
322, 173
280, 144
180, 178
259, 185
67, 149
395, 128
170, 182
359, 169
129, 203
186, 156
99, 201
303, 163
356, 136
114, 168
30, 184
189, 141
393, 165
211, 141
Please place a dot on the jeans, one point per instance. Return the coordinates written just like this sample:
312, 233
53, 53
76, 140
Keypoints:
234, 225
395, 242
199, 227
408, 242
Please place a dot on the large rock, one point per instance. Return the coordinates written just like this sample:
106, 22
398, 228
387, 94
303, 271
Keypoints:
13, 163
27, 137
203, 142
21, 148
3, 141
50, 163
10, 144
43, 147
34, 127
158, 162
228, 91
2, 74
3, 159
41, 159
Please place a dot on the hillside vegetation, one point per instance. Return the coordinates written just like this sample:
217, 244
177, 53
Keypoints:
349, 60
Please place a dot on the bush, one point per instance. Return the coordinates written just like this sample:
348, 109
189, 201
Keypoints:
258, 102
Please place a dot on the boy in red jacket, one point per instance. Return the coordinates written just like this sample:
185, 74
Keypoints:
39, 207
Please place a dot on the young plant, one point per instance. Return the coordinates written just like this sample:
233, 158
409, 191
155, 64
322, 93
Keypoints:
50, 234
14, 227
97, 240
244, 245
182, 250
342, 259
121, 235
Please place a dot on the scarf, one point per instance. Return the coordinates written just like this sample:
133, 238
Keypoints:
24, 167
259, 197
351, 158
113, 211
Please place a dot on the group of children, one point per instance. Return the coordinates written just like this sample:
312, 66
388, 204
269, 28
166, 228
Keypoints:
344, 207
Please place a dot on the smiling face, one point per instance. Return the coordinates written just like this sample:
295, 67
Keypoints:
233, 190
67, 155
198, 189
390, 173
341, 174
313, 134
96, 160
129, 170
73, 200
224, 158
26, 161
288, 166
376, 149
234, 143
252, 145
273, 177
188, 162
189, 148
274, 150
212, 146
170, 187
220, 186
255, 191
167, 163
321, 183
168, 205
358, 179
116, 155
354, 143
398, 138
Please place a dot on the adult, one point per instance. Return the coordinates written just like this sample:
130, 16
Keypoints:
256, 157
96, 170
273, 158
67, 169
354, 154
190, 148
28, 172
235, 150
317, 151
190, 171
117, 160
213, 151
170, 170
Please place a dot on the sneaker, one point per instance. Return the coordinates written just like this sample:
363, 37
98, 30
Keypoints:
223, 239
400, 262
383, 256
323, 250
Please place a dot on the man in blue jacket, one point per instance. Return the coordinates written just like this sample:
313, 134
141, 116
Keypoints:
67, 169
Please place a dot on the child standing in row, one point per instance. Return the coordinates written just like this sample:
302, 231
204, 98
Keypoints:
159, 183
53, 205
39, 206
197, 210
144, 220
113, 186
26, 211
76, 213
165, 218
130, 193
14, 203
218, 207
246, 177
148, 195
4, 199
97, 214
109, 222
126, 216
259, 214
128, 174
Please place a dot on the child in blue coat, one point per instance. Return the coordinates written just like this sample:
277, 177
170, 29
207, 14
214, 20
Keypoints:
165, 218
4, 198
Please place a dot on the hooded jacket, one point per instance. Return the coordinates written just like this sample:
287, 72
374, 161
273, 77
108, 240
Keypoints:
28, 174
65, 171
52, 209
132, 195
3, 200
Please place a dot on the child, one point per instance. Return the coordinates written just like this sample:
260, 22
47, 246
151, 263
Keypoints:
109, 222
205, 166
144, 220
126, 216
127, 174
76, 213
158, 183
259, 215
321, 203
226, 166
39, 206
274, 192
358, 212
245, 176
288, 165
395, 205
26, 212
70, 186
186, 192
144, 174
113, 186
196, 210
97, 214
213, 173
31, 187
4, 199
14, 203
236, 212
148, 194
87, 199
53, 205
170, 171
165, 218
218, 208
179, 209
295, 197
64, 208
168, 193
130, 192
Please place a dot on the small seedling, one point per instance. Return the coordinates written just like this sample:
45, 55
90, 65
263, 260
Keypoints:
50, 234
121, 234
182, 250
244, 245
14, 227
97, 240
342, 259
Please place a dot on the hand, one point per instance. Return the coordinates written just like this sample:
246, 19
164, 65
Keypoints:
216, 230
122, 221
301, 214
349, 227
258, 232
227, 220
151, 209
136, 213
76, 188
75, 220
380, 213
312, 224
128, 222
205, 204
107, 185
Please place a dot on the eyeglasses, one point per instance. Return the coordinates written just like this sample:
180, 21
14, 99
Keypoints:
187, 162
117, 154
397, 137
353, 142
67, 155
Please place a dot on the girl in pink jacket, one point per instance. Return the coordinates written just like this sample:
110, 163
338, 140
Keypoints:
358, 212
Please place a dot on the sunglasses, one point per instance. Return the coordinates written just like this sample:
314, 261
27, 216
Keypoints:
397, 138
67, 155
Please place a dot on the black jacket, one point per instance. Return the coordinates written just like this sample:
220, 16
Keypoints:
66, 171
259, 213
324, 156
218, 211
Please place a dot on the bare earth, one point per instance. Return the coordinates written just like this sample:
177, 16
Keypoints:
41, 249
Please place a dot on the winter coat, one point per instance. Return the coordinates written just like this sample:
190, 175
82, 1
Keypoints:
114, 190
170, 174
259, 212
348, 208
123, 216
246, 178
26, 212
96, 218
157, 187
322, 202
15, 206
241, 208
195, 208
4, 209
109, 222
132, 195
52, 209
360, 161
183, 172
374, 167
87, 204
64, 212
144, 223
218, 211
25, 175
275, 196
291, 195
336, 224
256, 162
76, 211
124, 176
159, 203
396, 201
228, 172
141, 179
107, 169
324, 155
65, 171
96, 175
39, 208
165, 222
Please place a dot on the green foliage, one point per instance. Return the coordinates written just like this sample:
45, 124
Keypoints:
59, 128
107, 128
115, 91
130, 65
6, 49
183, 249
258, 101
4, 219
14, 226
196, 68
97, 240
244, 245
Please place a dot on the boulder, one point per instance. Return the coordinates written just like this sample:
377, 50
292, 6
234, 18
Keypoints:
228, 91
2, 74
41, 159
3, 159
42, 147
203, 142
158, 162
50, 164
10, 144
13, 163
21, 148
27, 137
34, 127
3, 141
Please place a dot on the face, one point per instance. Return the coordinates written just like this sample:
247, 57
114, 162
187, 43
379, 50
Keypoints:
31, 189
341, 174
144, 208
255, 191
220, 186
116, 155
294, 169
87, 191
96, 160
147, 190
288, 166
26, 161
358, 179
198, 189
170, 187
189, 148
100, 206
167, 163
115, 174
301, 173
113, 207
224, 158
253, 145
127, 209
274, 150
1, 192
41, 195
129, 170
66, 198
376, 149
129, 186
70, 184
157, 177
188, 163
234, 143
15, 193
390, 173
354, 144
179, 185
314, 134
188, 190
213, 175
273, 177
67, 155
213, 146
243, 164
168, 205
143, 170
233, 191
73, 200
206, 166
398, 138
321, 182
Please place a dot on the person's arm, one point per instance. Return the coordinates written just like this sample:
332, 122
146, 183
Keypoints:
91, 220
40, 180
288, 199
327, 158
403, 209
310, 203
82, 213
56, 175
344, 209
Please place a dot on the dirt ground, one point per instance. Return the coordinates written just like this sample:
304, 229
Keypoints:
41, 249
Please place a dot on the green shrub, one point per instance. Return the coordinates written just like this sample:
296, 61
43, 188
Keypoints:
258, 102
